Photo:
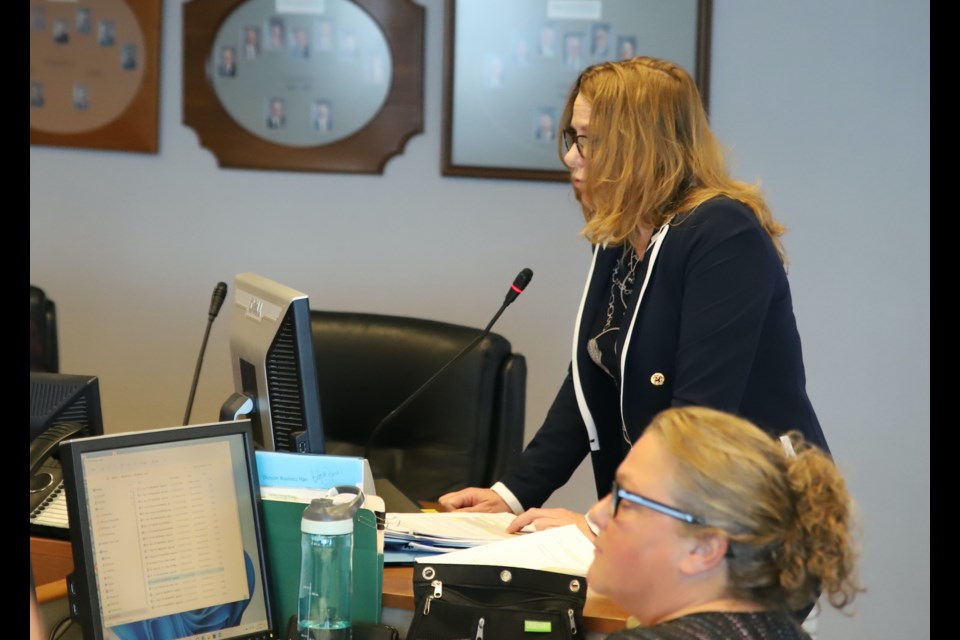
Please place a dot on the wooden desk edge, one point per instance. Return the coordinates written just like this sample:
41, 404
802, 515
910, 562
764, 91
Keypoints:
51, 561
52, 591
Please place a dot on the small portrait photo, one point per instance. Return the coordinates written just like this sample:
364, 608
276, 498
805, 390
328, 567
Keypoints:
321, 116
61, 32
546, 124
227, 66
276, 31
37, 97
375, 70
492, 71
300, 44
600, 41
573, 51
105, 33
349, 47
323, 35
81, 99
521, 50
84, 21
251, 42
38, 18
128, 57
276, 113
548, 41
626, 47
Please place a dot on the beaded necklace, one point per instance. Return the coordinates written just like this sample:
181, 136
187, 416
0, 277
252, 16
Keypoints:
620, 291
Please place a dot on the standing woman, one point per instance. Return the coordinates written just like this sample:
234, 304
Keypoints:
686, 301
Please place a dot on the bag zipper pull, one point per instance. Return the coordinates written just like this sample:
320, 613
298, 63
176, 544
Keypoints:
573, 622
437, 593
480, 624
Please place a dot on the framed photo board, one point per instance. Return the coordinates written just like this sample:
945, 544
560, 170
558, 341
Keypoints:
303, 85
510, 66
94, 73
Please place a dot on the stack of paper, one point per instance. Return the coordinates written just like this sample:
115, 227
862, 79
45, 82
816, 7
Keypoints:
561, 549
411, 535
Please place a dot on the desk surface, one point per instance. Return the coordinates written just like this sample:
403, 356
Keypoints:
53, 560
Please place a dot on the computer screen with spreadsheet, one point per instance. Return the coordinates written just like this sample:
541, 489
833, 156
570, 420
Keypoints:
167, 535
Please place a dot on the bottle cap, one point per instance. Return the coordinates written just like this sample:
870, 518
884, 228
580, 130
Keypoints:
332, 513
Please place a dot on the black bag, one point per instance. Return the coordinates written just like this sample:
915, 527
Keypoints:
477, 602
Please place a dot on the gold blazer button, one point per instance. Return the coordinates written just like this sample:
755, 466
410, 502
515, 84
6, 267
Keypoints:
657, 379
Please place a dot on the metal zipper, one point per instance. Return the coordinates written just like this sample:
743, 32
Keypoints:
437, 593
480, 624
573, 622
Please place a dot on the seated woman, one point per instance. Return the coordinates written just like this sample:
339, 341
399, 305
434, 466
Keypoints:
713, 529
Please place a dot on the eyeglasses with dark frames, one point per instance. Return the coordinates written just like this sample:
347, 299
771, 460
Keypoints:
570, 139
618, 494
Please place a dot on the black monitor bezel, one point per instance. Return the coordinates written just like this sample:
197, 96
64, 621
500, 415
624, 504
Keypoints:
81, 583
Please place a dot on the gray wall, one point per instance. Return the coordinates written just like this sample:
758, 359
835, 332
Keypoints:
826, 102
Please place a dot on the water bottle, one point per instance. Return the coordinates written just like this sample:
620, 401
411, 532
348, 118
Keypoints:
326, 565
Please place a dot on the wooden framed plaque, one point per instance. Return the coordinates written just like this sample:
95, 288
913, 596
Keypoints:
511, 64
94, 73
308, 85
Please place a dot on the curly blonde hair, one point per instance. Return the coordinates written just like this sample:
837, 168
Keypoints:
652, 154
786, 511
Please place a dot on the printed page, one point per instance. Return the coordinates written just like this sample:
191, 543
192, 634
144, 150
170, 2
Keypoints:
561, 549
449, 528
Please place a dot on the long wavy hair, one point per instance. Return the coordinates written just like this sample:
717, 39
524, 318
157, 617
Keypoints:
790, 522
652, 154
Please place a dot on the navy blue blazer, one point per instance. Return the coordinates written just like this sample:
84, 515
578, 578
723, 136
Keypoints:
712, 324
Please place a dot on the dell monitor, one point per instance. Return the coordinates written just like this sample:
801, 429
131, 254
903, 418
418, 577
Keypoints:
168, 535
274, 373
61, 406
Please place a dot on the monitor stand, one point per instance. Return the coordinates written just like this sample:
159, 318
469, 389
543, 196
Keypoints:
394, 499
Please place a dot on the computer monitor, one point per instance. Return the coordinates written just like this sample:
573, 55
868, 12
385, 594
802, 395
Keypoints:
61, 406
274, 373
168, 539
58, 398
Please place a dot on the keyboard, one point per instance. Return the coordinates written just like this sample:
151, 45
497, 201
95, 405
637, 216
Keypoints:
49, 519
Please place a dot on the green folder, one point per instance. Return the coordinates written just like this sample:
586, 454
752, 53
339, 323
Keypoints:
367, 568
281, 523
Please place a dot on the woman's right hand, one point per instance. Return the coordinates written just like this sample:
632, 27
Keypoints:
473, 499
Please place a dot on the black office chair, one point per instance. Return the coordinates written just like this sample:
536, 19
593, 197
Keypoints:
462, 431
44, 349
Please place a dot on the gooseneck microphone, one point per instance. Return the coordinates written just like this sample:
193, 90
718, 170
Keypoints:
219, 295
519, 284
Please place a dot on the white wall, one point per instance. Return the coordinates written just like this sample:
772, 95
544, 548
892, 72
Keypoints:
826, 102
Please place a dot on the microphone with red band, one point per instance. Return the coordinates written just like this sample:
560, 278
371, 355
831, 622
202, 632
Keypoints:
519, 284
